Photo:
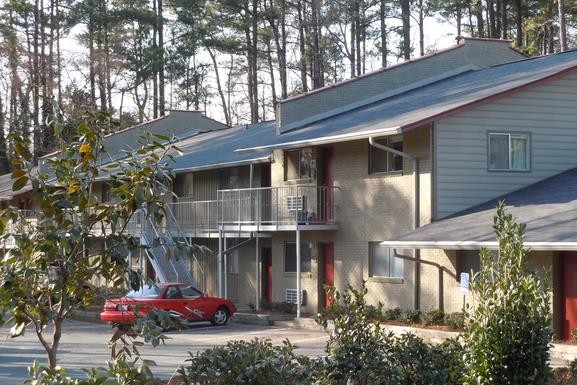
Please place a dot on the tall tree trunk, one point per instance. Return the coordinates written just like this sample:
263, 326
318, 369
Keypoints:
219, 87
383, 22
155, 64
4, 162
252, 46
271, 71
491, 19
421, 28
406, 29
353, 35
504, 19
302, 47
480, 21
519, 22
562, 25
317, 69
161, 96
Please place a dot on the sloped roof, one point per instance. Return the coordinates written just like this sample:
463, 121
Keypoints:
216, 149
422, 105
548, 208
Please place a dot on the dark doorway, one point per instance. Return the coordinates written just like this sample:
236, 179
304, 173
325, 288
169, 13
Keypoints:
327, 179
326, 273
569, 296
266, 279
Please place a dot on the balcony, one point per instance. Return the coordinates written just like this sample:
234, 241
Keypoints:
259, 209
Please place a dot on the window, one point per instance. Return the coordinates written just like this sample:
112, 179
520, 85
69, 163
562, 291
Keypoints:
470, 262
508, 151
383, 161
383, 263
290, 258
190, 292
299, 164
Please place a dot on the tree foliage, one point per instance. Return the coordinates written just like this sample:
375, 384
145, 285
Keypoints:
72, 237
508, 331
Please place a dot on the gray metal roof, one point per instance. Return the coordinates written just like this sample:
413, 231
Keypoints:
418, 106
548, 208
215, 149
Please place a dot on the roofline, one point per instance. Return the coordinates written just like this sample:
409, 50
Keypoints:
476, 245
397, 65
488, 99
148, 122
326, 139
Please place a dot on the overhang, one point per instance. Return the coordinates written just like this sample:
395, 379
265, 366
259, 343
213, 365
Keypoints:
548, 209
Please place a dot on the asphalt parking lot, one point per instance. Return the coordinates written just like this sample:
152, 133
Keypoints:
84, 345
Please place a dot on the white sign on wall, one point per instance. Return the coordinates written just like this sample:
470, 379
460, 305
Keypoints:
464, 283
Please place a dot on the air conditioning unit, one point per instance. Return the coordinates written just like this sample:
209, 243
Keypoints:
295, 202
291, 296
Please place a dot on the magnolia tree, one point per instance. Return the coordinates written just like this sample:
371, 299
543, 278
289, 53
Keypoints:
508, 332
71, 237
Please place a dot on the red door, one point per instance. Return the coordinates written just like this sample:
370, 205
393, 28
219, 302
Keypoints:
569, 293
328, 271
327, 182
266, 280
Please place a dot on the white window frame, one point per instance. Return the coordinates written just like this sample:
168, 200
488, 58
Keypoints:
388, 141
306, 163
510, 135
392, 262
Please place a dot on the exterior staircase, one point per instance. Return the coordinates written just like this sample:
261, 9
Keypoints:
168, 251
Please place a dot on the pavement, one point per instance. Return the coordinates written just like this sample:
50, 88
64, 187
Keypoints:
85, 343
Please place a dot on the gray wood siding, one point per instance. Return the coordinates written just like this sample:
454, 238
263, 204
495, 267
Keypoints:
548, 112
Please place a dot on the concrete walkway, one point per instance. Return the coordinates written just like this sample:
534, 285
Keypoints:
561, 354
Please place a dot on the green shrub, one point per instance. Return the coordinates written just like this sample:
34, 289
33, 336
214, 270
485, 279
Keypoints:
419, 363
375, 313
392, 314
455, 321
451, 351
358, 350
410, 316
433, 317
507, 333
247, 363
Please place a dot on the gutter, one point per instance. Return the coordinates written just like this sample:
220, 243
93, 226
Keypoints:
416, 214
477, 245
325, 139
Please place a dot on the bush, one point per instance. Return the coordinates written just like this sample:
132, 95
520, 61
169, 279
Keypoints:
433, 317
392, 314
418, 363
358, 349
249, 362
455, 321
507, 333
410, 316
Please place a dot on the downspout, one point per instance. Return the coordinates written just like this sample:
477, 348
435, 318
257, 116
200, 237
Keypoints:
416, 214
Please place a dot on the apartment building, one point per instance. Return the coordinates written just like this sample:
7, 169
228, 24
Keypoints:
390, 178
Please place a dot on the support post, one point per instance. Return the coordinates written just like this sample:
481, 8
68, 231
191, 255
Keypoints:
257, 274
225, 273
219, 262
298, 247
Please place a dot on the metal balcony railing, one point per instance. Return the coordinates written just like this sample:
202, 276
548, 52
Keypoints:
260, 207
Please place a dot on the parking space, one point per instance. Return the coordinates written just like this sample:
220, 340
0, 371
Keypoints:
85, 345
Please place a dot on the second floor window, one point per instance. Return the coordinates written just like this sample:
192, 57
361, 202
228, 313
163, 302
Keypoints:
299, 164
508, 151
381, 161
